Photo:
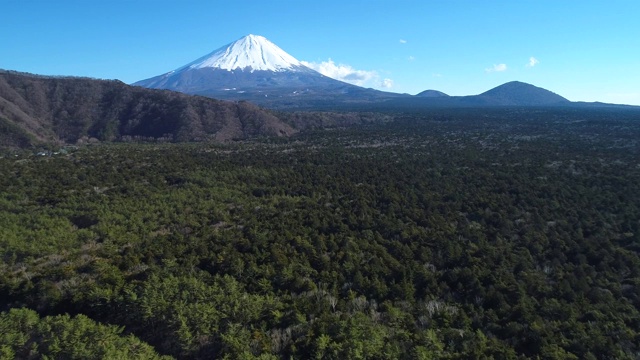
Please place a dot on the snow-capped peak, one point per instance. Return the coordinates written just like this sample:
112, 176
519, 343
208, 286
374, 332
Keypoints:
251, 52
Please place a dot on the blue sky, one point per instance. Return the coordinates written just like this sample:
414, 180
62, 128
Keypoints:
582, 50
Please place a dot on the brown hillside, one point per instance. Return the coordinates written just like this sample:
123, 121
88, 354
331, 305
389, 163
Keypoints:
37, 109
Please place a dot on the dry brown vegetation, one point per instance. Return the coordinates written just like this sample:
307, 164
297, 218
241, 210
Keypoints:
64, 110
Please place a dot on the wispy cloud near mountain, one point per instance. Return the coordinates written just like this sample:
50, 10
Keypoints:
348, 74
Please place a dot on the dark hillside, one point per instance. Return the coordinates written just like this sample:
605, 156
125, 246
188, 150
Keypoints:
62, 109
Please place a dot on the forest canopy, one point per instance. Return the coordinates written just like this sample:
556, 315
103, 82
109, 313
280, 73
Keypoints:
504, 234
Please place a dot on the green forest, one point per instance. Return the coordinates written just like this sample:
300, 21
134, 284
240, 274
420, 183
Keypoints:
506, 234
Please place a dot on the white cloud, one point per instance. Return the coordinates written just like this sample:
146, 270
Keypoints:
348, 74
436, 75
532, 62
497, 68
403, 41
411, 58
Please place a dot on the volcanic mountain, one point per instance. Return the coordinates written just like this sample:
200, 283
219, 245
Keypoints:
253, 68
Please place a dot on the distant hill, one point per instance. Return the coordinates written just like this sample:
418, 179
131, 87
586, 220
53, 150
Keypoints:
513, 93
431, 94
36, 109
521, 94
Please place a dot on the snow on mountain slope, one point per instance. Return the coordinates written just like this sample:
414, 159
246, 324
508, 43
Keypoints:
254, 69
252, 52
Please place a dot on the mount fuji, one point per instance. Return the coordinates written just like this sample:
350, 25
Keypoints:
255, 69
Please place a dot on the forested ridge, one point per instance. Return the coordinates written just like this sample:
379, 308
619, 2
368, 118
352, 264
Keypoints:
45, 111
505, 234
40, 109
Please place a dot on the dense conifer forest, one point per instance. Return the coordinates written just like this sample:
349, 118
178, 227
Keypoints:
506, 234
